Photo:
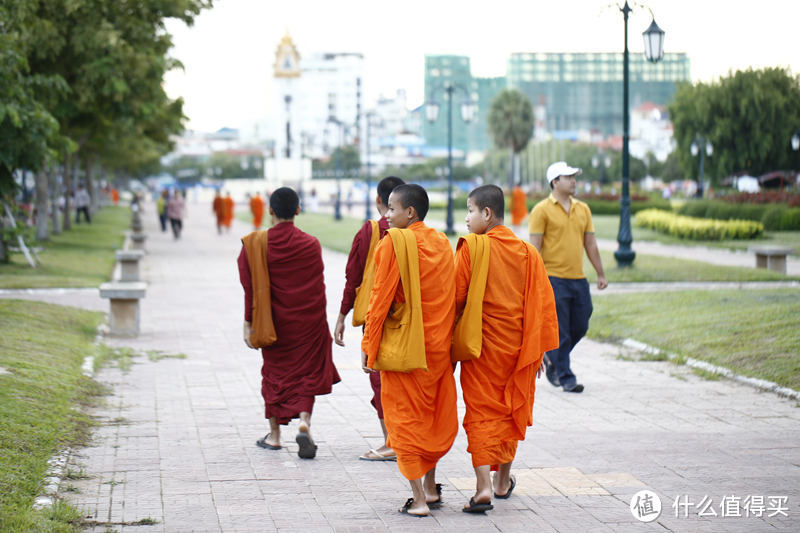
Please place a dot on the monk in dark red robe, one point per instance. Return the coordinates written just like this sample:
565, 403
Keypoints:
355, 279
298, 365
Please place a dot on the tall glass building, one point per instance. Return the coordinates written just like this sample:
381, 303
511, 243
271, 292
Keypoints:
584, 91
578, 91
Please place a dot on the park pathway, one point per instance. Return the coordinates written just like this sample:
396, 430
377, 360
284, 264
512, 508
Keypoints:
175, 444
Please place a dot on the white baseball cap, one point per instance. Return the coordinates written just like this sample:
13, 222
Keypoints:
561, 168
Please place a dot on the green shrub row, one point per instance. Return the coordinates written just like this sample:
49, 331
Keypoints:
775, 217
698, 228
611, 207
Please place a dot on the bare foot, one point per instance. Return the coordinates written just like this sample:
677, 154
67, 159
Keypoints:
413, 508
302, 427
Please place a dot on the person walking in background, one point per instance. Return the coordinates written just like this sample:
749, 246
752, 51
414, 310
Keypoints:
561, 229
506, 320
82, 201
281, 272
161, 209
218, 206
176, 207
257, 209
227, 210
359, 278
519, 207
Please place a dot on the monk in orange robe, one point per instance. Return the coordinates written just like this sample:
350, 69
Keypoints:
419, 406
219, 210
257, 208
281, 270
518, 323
519, 206
227, 211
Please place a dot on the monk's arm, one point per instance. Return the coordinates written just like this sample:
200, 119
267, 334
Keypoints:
387, 277
463, 272
590, 243
247, 285
353, 273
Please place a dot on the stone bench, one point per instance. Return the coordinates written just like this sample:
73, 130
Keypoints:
129, 264
771, 257
124, 299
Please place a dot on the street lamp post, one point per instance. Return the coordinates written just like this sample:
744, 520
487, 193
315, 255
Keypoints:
367, 209
337, 209
432, 113
702, 146
654, 51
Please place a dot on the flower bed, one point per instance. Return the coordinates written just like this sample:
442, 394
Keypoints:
698, 228
775, 217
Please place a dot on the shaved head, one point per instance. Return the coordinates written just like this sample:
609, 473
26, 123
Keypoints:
412, 195
284, 202
490, 196
386, 186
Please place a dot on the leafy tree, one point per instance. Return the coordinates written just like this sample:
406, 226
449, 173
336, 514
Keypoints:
345, 158
511, 124
749, 117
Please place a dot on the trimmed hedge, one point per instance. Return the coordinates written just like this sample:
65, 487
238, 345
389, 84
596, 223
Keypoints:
698, 228
774, 217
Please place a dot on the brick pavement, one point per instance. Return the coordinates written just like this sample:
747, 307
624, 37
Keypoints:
176, 440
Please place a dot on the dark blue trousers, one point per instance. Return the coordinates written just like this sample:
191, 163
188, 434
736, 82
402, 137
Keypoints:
574, 307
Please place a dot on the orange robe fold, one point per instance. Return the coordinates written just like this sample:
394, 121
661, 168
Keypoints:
519, 207
227, 204
419, 407
519, 325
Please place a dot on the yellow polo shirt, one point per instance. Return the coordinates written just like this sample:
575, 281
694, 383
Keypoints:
562, 235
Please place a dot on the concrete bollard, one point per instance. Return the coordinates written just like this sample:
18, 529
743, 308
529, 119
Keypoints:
124, 299
137, 241
136, 222
129, 264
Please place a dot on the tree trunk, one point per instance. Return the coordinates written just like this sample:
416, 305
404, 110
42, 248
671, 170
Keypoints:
90, 185
4, 254
55, 202
511, 168
42, 205
67, 192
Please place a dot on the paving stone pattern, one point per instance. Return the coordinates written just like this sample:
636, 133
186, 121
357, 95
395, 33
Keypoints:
176, 444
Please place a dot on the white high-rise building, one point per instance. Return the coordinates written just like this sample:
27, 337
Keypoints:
320, 97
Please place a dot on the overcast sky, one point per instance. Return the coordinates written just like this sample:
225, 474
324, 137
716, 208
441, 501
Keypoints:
229, 52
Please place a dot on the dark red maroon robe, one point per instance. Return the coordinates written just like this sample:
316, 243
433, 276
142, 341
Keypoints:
299, 365
354, 273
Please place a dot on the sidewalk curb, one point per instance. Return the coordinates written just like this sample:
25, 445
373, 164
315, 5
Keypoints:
760, 384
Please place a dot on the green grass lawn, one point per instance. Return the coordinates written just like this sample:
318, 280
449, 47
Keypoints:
752, 332
80, 257
607, 226
41, 394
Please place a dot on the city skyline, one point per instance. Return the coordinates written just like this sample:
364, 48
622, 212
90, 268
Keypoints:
229, 52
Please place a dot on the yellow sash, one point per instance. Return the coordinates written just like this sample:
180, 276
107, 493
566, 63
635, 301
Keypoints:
402, 347
367, 279
262, 329
467, 335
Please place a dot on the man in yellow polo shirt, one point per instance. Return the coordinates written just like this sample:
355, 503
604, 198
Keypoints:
561, 228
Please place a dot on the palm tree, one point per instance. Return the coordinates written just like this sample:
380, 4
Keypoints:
511, 125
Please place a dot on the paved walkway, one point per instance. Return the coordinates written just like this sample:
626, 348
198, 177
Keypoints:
176, 438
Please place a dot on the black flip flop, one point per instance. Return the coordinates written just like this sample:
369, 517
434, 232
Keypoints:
507, 495
262, 443
308, 450
474, 507
406, 506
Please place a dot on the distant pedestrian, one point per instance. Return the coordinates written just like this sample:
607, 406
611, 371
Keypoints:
219, 210
161, 209
82, 202
257, 209
228, 207
175, 210
561, 228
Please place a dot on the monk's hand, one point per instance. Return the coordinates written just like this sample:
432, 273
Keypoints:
364, 366
338, 330
247, 335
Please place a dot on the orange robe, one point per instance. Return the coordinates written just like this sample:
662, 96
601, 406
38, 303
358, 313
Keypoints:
219, 210
257, 208
519, 208
419, 407
227, 210
519, 324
